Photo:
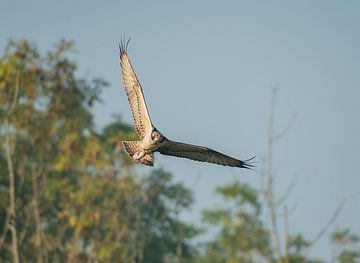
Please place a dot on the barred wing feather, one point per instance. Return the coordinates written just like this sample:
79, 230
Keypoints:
202, 154
135, 95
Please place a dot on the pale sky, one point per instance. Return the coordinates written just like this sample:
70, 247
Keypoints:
207, 69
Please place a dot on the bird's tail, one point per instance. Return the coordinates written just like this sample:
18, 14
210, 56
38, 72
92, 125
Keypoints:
131, 146
134, 146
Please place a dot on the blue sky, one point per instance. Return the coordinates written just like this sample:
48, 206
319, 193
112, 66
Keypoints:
207, 69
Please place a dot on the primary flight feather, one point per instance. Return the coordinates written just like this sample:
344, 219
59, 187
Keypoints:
151, 140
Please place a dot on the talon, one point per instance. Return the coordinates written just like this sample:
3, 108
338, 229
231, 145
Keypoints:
138, 155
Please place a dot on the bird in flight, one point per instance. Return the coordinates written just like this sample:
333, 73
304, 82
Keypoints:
151, 139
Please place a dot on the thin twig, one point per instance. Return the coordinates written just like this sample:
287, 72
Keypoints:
269, 175
326, 227
286, 129
329, 223
287, 192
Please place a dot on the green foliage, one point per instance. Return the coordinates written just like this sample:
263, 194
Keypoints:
346, 247
77, 196
297, 250
242, 237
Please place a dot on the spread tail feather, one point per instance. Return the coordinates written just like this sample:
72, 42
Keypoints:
148, 159
134, 146
131, 147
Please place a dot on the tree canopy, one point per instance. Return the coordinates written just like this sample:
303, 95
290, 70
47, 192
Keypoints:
69, 193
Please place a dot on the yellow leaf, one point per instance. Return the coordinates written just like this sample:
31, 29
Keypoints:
73, 220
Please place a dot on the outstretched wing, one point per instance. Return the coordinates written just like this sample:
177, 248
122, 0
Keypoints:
202, 154
134, 92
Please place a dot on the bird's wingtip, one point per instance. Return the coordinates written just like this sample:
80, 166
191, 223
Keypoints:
247, 164
123, 45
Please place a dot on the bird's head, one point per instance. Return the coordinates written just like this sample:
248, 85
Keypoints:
156, 136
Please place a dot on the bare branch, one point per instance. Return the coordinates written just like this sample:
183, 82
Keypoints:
287, 192
269, 176
329, 223
287, 128
293, 208
326, 227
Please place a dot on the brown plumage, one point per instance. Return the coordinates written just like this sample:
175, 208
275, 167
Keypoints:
134, 92
151, 140
202, 154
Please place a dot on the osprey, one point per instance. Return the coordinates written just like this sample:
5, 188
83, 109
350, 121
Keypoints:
151, 140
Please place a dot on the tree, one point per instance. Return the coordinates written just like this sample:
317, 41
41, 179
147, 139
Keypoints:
67, 192
243, 236
346, 246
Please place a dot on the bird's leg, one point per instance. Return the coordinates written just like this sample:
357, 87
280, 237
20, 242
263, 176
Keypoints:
138, 155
